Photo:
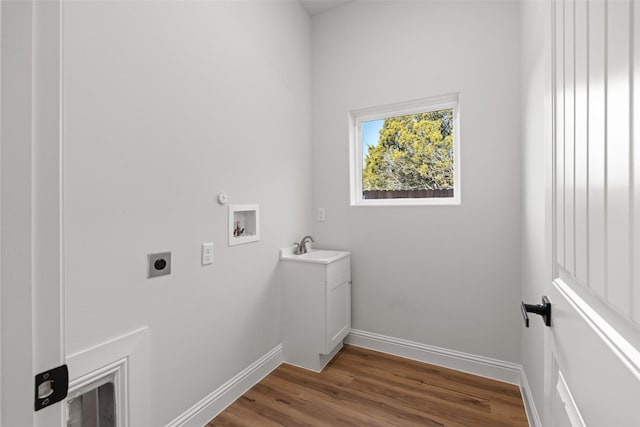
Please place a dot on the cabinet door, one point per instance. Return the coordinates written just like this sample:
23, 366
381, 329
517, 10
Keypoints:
338, 313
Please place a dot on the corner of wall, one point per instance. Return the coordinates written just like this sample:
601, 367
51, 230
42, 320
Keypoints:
529, 403
214, 403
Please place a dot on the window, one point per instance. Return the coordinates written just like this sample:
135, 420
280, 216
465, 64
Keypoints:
406, 154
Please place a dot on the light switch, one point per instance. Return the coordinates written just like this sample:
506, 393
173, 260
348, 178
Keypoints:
321, 214
207, 253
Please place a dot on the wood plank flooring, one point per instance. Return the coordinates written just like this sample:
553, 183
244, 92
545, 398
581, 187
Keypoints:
366, 388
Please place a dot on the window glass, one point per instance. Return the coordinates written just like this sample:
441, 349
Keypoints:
407, 158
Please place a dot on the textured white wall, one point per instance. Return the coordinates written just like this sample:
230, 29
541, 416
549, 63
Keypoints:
165, 105
535, 114
444, 276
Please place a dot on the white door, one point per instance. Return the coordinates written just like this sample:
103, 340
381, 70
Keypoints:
593, 366
31, 298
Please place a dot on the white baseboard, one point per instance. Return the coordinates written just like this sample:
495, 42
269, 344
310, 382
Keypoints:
205, 410
473, 364
529, 403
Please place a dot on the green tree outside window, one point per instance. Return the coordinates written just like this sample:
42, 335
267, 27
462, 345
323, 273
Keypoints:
414, 152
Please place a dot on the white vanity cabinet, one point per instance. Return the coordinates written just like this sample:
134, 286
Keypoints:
316, 307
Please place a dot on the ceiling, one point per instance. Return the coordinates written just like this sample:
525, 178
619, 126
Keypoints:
313, 7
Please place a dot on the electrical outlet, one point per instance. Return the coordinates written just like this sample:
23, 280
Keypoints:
207, 253
159, 264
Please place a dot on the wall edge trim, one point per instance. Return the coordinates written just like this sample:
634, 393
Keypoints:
470, 363
214, 403
130, 350
529, 403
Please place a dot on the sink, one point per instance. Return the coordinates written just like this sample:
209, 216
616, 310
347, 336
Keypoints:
318, 256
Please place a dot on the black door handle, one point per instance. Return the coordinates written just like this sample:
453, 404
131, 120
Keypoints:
543, 310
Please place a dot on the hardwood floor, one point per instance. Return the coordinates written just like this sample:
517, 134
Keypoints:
365, 388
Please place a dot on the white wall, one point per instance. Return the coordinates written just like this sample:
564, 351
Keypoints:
443, 276
15, 242
535, 115
165, 105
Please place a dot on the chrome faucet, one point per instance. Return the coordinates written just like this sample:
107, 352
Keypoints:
301, 248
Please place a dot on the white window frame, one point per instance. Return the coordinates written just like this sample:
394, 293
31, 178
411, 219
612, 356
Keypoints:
357, 117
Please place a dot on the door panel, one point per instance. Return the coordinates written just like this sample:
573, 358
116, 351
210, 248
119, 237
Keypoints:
563, 408
594, 339
559, 97
593, 163
596, 147
569, 138
599, 378
581, 104
635, 262
338, 314
618, 128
